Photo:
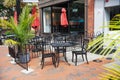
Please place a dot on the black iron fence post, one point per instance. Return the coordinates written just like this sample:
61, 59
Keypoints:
18, 8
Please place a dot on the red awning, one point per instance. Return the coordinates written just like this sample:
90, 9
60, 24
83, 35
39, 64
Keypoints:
15, 17
64, 21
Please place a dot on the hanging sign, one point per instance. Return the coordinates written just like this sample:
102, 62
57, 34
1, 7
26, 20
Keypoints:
30, 0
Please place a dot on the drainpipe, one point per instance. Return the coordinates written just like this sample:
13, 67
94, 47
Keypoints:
86, 19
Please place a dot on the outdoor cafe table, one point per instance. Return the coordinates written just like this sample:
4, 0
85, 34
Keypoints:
65, 35
58, 46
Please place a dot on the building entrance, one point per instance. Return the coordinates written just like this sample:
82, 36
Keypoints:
56, 19
76, 19
75, 16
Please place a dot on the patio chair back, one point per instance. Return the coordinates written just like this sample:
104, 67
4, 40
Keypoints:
82, 52
47, 51
85, 45
36, 46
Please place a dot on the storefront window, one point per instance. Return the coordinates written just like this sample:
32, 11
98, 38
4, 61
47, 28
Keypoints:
47, 20
76, 19
75, 16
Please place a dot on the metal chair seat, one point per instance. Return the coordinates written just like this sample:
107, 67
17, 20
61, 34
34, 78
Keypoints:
49, 55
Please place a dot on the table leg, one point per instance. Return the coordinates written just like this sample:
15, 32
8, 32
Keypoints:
64, 53
57, 57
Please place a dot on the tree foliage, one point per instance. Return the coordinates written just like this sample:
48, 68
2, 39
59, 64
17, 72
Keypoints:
9, 3
5, 11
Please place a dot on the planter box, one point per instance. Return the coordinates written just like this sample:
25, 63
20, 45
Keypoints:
24, 58
11, 51
0, 41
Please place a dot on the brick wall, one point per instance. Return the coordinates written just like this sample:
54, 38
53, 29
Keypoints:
90, 27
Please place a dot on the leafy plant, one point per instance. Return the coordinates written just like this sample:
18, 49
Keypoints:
11, 42
106, 43
111, 74
21, 30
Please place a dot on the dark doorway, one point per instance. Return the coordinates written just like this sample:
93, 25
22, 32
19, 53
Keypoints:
76, 19
56, 13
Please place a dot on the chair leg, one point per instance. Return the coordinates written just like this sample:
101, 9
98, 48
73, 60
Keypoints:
53, 60
86, 58
82, 57
65, 57
42, 63
72, 57
57, 58
76, 60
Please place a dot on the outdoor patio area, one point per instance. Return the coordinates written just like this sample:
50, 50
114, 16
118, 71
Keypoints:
83, 71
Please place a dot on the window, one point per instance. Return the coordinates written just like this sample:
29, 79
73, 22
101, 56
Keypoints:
76, 19
47, 20
115, 18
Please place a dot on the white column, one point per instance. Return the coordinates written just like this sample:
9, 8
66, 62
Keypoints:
98, 15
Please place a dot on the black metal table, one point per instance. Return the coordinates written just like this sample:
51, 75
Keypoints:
65, 35
58, 46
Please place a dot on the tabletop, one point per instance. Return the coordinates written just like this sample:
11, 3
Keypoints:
62, 44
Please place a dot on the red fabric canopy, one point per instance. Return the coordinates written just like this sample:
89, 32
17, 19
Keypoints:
36, 22
64, 21
15, 17
33, 10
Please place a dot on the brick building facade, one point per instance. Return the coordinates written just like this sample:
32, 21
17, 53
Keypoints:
90, 27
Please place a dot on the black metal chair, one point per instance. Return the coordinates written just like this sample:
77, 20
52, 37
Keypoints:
82, 52
36, 46
47, 51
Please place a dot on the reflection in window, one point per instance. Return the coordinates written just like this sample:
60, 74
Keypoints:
115, 18
47, 20
76, 19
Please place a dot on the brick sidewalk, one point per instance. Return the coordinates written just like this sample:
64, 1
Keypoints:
84, 71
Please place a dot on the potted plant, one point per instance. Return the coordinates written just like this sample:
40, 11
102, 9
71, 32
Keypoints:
21, 30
